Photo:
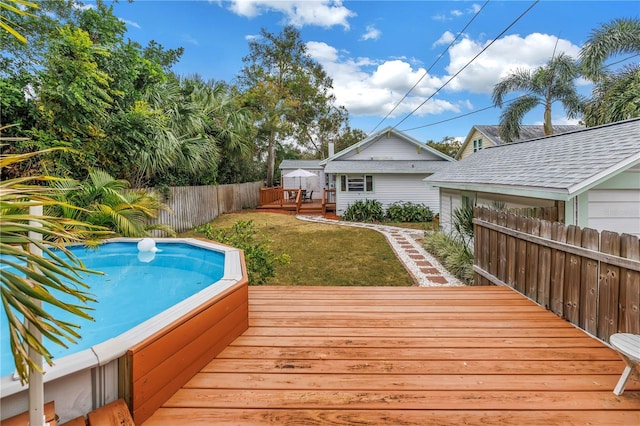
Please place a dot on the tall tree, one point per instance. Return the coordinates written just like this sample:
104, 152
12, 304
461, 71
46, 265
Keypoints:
542, 86
616, 95
448, 145
288, 91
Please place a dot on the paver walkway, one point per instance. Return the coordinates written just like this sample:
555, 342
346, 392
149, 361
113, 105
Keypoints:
407, 244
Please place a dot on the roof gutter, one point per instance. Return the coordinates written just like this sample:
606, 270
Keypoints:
522, 191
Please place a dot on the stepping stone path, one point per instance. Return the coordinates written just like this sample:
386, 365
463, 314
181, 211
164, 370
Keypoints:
407, 244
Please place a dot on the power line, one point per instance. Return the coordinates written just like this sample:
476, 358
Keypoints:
468, 63
505, 103
432, 65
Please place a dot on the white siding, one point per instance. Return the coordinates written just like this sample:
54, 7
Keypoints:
392, 148
392, 188
616, 210
449, 201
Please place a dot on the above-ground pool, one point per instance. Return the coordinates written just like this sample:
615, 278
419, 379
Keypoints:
135, 287
142, 297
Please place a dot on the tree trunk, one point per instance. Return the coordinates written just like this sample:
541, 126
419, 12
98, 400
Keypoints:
548, 126
271, 159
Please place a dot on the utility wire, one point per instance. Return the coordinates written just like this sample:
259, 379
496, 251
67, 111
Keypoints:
432, 65
468, 63
506, 102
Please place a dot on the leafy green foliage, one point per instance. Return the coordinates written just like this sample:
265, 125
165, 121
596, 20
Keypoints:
454, 250
462, 223
289, 94
364, 211
616, 95
542, 86
453, 253
30, 291
259, 258
107, 202
409, 212
448, 146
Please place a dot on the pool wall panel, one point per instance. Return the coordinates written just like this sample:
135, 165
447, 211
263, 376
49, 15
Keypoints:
170, 358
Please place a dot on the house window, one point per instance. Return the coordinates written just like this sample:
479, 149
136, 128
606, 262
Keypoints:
356, 183
477, 145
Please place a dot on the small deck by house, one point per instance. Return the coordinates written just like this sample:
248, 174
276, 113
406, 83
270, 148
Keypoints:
296, 201
410, 356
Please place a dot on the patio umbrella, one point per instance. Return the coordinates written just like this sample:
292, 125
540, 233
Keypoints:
300, 173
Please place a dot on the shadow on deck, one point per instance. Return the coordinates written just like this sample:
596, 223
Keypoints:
410, 356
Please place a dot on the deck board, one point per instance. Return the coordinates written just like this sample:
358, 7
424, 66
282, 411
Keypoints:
410, 356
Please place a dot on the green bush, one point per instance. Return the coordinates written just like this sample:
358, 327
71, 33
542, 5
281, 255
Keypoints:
454, 254
260, 260
409, 212
364, 211
462, 223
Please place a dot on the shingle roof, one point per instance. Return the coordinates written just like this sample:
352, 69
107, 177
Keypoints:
300, 164
526, 132
563, 164
375, 136
386, 166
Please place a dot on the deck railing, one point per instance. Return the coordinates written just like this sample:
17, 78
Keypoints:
328, 197
590, 278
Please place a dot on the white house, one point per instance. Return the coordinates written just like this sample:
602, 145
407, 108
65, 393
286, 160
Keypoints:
592, 175
388, 166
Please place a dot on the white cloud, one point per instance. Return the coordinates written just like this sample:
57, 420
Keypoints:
131, 23
323, 13
504, 56
475, 8
446, 38
83, 6
368, 87
372, 87
251, 37
189, 39
456, 13
372, 33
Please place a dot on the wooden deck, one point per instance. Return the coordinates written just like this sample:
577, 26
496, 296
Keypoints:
405, 356
308, 207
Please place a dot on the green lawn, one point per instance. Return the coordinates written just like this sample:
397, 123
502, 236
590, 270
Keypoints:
324, 254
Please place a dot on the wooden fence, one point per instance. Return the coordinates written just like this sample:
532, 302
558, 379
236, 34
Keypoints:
592, 279
196, 205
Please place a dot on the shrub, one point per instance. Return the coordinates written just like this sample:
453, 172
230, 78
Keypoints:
364, 211
409, 212
454, 254
462, 223
259, 258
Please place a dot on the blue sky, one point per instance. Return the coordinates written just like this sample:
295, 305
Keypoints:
375, 51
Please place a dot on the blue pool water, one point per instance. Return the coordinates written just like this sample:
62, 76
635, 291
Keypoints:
132, 290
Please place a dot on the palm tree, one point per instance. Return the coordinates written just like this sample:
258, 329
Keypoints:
104, 201
19, 8
32, 279
543, 86
616, 95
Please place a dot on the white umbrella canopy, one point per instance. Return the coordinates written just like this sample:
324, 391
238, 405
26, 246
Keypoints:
300, 173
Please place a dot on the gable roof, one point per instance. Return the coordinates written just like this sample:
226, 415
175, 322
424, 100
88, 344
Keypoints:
555, 167
533, 131
375, 136
300, 164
